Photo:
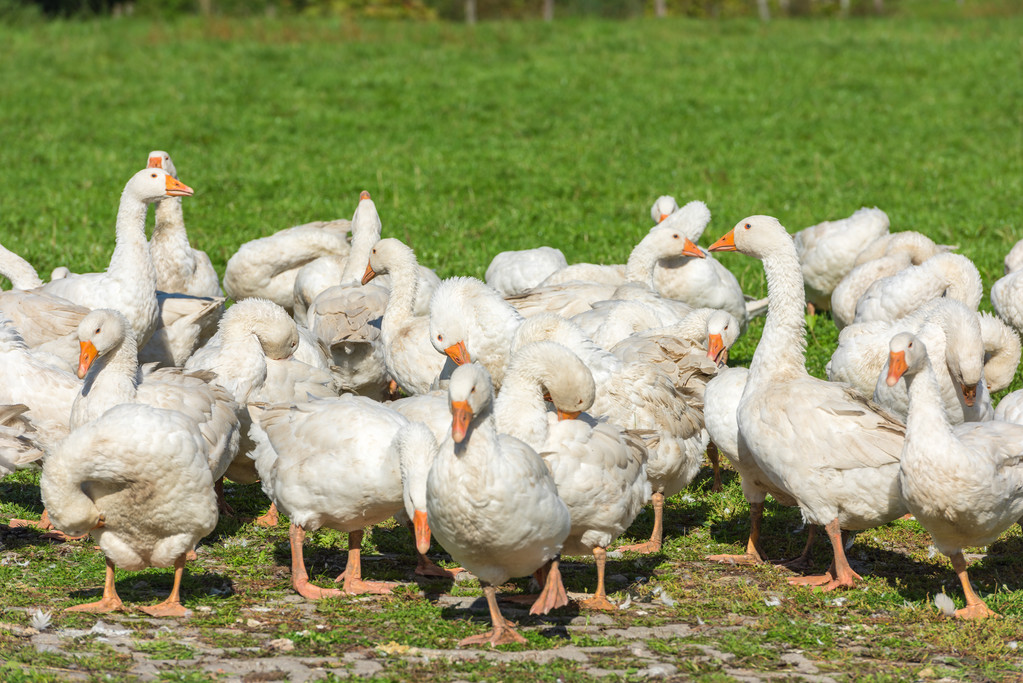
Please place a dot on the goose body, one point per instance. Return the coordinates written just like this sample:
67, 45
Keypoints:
945, 275
515, 272
1007, 292
964, 484
835, 453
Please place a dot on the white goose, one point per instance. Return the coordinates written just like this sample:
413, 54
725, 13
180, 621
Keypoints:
635, 396
515, 272
599, 470
1007, 292
663, 206
180, 268
267, 267
963, 484
887, 256
129, 283
492, 503
836, 454
411, 360
1001, 352
945, 275
319, 475
137, 479
827, 251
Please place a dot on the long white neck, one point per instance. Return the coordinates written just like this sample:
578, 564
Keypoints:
640, 266
401, 303
169, 244
926, 419
780, 353
364, 235
131, 262
112, 380
520, 409
1001, 351
19, 271
241, 352
63, 494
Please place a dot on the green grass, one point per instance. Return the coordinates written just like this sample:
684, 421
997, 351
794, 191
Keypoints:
507, 136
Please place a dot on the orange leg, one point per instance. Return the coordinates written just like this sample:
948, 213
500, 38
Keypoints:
840, 574
975, 607
352, 575
270, 519
657, 535
803, 561
222, 504
110, 602
171, 607
299, 575
427, 567
599, 599
754, 553
501, 632
553, 594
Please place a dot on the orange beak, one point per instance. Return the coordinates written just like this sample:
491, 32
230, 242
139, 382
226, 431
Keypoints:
461, 416
176, 188
663, 216
369, 274
568, 414
422, 531
365, 195
155, 162
716, 349
458, 353
101, 522
690, 249
969, 394
896, 367
726, 243
86, 357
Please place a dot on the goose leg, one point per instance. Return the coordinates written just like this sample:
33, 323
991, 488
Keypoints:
803, 561
553, 594
171, 607
427, 567
975, 607
754, 553
353, 583
269, 519
110, 602
501, 632
657, 535
599, 599
840, 574
299, 575
222, 504
715, 465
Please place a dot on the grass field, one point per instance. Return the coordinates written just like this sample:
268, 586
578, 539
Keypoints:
507, 136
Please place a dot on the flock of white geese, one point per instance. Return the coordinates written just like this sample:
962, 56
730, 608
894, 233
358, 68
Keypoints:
517, 419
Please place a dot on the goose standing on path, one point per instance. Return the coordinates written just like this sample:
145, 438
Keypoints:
835, 453
964, 484
492, 503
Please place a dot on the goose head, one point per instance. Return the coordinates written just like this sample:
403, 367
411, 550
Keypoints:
664, 206
366, 218
755, 236
99, 333
722, 331
470, 320
153, 184
470, 392
269, 323
907, 355
665, 242
567, 382
160, 159
385, 255
417, 449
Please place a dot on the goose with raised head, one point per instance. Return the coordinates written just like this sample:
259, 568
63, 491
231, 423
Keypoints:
515, 272
600, 471
493, 504
138, 481
818, 442
470, 321
888, 255
827, 251
945, 275
663, 206
411, 359
964, 484
267, 267
129, 283
953, 335
321, 476
180, 267
638, 397
574, 297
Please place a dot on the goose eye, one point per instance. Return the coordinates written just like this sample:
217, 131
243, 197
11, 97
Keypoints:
97, 331
747, 226
473, 390
675, 236
152, 175
910, 345
440, 337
